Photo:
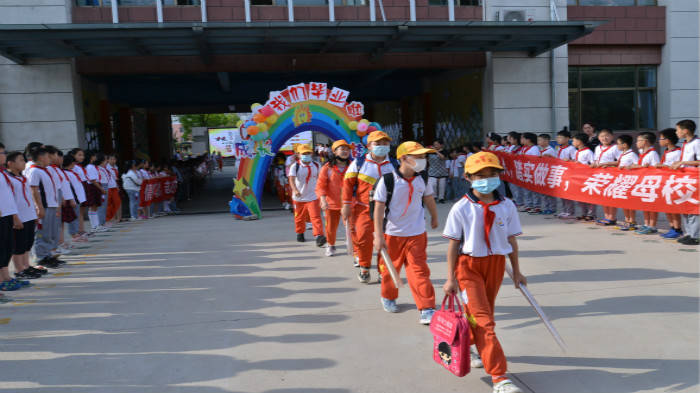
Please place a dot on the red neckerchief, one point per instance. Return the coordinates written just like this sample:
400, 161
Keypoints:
663, 158
683, 147
22, 180
641, 158
84, 171
489, 218
530, 148
518, 149
410, 193
308, 177
619, 163
58, 171
579, 151
603, 151
561, 149
48, 174
379, 166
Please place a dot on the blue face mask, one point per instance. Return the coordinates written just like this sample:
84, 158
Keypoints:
306, 158
486, 186
380, 151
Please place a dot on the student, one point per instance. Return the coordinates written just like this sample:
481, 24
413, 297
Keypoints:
515, 148
114, 211
690, 156
482, 229
329, 190
648, 157
302, 178
627, 158
584, 156
606, 155
26, 212
45, 196
76, 188
132, 185
65, 197
399, 227
548, 204
9, 223
94, 190
460, 185
566, 152
672, 153
437, 170
359, 181
530, 198
79, 156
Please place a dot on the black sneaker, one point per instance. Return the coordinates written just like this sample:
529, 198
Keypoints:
320, 240
363, 276
300, 237
27, 274
38, 269
688, 241
59, 261
50, 263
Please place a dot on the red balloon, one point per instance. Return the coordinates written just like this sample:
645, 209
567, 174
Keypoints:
371, 128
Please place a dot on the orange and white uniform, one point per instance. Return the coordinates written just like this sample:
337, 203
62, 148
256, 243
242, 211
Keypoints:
483, 230
357, 185
306, 206
329, 185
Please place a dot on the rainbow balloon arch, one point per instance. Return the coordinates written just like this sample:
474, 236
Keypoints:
302, 107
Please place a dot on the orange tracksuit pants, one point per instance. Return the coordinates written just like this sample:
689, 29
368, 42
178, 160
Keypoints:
332, 221
411, 253
364, 234
114, 203
308, 211
481, 277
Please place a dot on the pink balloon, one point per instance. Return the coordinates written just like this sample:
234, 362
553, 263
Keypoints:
362, 127
267, 111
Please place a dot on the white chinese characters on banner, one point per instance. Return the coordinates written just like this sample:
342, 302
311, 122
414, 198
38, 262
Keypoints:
618, 189
681, 187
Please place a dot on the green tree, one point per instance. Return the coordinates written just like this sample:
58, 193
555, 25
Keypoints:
206, 120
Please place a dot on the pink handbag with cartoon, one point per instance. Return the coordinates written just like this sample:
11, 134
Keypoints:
451, 337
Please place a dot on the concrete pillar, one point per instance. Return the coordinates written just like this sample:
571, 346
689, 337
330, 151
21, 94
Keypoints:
517, 88
678, 84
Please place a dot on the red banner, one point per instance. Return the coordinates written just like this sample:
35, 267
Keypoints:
157, 190
646, 189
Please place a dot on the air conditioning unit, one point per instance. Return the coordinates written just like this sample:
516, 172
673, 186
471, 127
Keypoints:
515, 15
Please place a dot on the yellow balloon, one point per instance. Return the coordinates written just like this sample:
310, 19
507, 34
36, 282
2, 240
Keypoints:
262, 127
271, 119
352, 125
239, 123
364, 121
255, 106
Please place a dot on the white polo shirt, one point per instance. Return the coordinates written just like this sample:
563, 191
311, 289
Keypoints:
81, 172
77, 185
305, 180
103, 175
607, 154
584, 156
26, 211
39, 177
92, 173
406, 213
61, 182
670, 156
7, 198
650, 158
466, 224
548, 151
628, 158
690, 150
533, 150
566, 153
111, 179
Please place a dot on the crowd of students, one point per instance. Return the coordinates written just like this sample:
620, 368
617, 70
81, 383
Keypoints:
50, 201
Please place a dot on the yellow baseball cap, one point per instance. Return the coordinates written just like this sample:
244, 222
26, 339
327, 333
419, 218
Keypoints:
411, 147
301, 149
338, 143
377, 136
481, 160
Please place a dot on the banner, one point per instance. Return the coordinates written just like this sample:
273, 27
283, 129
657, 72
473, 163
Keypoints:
223, 141
157, 190
645, 189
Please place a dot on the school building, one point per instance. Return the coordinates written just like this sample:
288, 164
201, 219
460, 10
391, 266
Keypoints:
109, 73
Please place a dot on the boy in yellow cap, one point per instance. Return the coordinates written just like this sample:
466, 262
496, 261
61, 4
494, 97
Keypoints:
399, 227
482, 227
302, 178
357, 185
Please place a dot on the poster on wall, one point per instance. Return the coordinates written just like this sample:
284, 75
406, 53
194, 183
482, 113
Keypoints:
223, 140
305, 137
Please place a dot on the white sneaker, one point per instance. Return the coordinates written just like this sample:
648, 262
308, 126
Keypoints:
476, 359
330, 251
309, 226
356, 261
506, 386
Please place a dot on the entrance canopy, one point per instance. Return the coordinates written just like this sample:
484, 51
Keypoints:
22, 42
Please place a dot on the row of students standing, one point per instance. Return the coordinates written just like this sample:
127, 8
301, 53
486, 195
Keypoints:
383, 201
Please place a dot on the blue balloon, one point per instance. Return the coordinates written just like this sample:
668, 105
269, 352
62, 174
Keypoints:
375, 125
364, 140
249, 123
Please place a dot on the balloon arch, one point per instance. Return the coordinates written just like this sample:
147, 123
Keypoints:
302, 107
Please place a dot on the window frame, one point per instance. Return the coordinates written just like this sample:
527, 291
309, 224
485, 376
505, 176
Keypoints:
636, 4
636, 89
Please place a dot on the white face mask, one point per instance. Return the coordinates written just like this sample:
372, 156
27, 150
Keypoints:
419, 165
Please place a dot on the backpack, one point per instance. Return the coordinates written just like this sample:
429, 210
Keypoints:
360, 162
296, 166
389, 184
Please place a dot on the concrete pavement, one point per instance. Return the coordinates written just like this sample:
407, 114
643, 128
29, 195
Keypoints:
207, 304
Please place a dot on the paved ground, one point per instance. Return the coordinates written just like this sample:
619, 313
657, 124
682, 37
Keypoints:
207, 304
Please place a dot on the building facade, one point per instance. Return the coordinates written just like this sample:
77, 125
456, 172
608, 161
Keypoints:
94, 73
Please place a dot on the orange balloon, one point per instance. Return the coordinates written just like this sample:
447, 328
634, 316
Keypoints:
258, 118
361, 133
252, 130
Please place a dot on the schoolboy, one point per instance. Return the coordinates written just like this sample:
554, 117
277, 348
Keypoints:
329, 189
357, 185
627, 158
399, 227
606, 155
584, 156
672, 154
690, 156
566, 152
482, 229
530, 198
515, 148
302, 178
9, 222
69, 169
648, 157
548, 204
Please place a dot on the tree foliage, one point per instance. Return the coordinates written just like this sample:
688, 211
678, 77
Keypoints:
206, 120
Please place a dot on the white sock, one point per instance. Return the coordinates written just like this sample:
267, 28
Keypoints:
94, 220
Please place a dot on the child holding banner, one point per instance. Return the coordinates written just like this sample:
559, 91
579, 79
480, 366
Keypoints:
606, 155
627, 158
548, 204
690, 156
565, 152
531, 199
584, 156
672, 154
648, 158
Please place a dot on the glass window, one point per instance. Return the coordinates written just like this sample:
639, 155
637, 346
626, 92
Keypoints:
646, 107
600, 77
613, 109
611, 2
647, 77
573, 78
131, 3
457, 2
573, 110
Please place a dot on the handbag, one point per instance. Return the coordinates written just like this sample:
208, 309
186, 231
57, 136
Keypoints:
451, 337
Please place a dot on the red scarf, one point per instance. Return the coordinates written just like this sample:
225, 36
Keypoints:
58, 171
603, 151
47, 174
561, 149
410, 194
683, 147
619, 163
22, 180
663, 159
641, 158
578, 151
489, 217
